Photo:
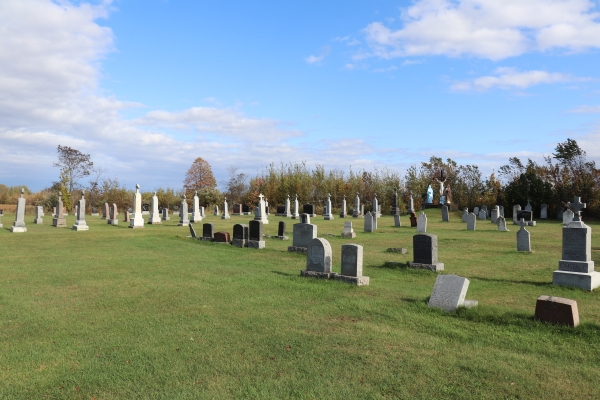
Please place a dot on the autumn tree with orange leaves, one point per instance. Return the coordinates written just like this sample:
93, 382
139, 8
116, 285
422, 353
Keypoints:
198, 177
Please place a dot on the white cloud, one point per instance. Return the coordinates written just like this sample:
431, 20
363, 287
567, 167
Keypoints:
585, 110
312, 59
511, 78
491, 29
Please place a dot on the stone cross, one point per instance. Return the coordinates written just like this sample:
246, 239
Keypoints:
577, 206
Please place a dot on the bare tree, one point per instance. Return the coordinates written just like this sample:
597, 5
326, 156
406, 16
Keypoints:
236, 186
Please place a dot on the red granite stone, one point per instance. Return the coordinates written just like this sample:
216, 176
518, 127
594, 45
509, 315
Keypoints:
557, 310
222, 237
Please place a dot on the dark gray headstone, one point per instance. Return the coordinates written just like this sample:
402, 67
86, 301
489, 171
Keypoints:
308, 209
208, 230
526, 215
256, 230
240, 231
280, 209
245, 208
281, 228
425, 248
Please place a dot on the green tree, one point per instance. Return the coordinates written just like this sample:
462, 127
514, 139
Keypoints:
74, 164
199, 176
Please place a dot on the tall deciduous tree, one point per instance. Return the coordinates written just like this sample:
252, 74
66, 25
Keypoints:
199, 176
74, 164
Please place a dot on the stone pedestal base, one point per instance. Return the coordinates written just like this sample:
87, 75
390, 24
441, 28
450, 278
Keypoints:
315, 274
205, 239
527, 223
281, 237
350, 235
585, 281
297, 249
225, 217
80, 227
184, 223
397, 222
166, 219
343, 215
59, 222
18, 229
432, 267
356, 280
256, 244
113, 222
38, 221
397, 250
328, 217
95, 214
239, 243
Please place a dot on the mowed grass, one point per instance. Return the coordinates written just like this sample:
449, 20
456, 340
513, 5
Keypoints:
118, 313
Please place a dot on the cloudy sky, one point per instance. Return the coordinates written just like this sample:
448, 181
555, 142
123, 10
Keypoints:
147, 86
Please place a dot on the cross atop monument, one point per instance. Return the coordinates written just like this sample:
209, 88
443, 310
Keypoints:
577, 206
260, 196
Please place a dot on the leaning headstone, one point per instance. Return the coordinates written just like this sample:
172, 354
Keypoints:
208, 232
482, 214
465, 214
240, 235
137, 221
422, 223
196, 214
413, 220
445, 216
544, 211
225, 210
281, 231
59, 220
183, 212
256, 236
165, 214
368, 222
113, 220
303, 234
222, 237
495, 214
397, 221
425, 249
39, 213
523, 238
471, 222
318, 259
80, 224
502, 224
352, 265
154, 214
557, 310
328, 214
19, 224
348, 232
192, 231
576, 267
343, 213
449, 293
567, 216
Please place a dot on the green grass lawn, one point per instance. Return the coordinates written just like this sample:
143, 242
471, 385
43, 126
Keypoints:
118, 313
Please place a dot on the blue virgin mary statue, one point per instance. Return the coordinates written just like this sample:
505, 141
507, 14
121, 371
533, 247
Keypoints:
429, 195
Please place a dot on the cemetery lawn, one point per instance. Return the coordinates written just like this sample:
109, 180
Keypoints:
118, 313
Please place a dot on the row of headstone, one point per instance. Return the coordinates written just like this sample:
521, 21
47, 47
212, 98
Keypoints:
319, 262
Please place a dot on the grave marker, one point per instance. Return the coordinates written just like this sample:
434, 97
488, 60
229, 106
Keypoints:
425, 249
196, 213
19, 225
155, 217
422, 223
445, 216
80, 224
318, 259
352, 265
208, 232
183, 212
328, 214
281, 231
39, 213
348, 232
557, 310
471, 222
523, 238
368, 222
113, 220
137, 221
225, 210
256, 240
240, 235
59, 219
449, 293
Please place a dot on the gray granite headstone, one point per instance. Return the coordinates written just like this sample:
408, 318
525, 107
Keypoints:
544, 211
476, 211
502, 224
19, 224
422, 223
352, 265
192, 231
523, 238
183, 212
397, 221
495, 214
240, 235
567, 216
465, 214
303, 234
165, 214
348, 232
528, 206
449, 293
80, 224
425, 249
368, 222
482, 214
445, 216
318, 259
471, 222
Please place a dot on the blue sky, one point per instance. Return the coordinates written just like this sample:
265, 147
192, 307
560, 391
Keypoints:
145, 87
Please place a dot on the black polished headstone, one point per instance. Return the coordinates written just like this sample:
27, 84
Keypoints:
281, 228
308, 209
245, 208
526, 215
208, 230
240, 231
425, 248
256, 230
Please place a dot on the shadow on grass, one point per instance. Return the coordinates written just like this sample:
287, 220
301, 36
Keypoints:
283, 273
532, 283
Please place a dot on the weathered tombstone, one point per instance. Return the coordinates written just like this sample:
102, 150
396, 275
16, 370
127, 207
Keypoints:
528, 206
352, 265
303, 234
240, 235
476, 211
527, 216
296, 213
183, 212
567, 216
362, 210
137, 221
309, 209
344, 213
422, 223
445, 216
95, 212
544, 211
222, 237
225, 210
502, 224
356, 210
413, 220
557, 310
465, 214
80, 224
192, 231
348, 232
281, 231
368, 222
288, 211
397, 221
59, 220
127, 216
208, 232
516, 209
449, 292
237, 209
395, 208
375, 205
256, 236
425, 248
216, 210
495, 214
501, 208
482, 214
260, 213
471, 222
106, 211
154, 214
411, 205
523, 238
19, 224
39, 213
484, 208
318, 259
576, 267
328, 214
113, 220
304, 219
165, 214
196, 214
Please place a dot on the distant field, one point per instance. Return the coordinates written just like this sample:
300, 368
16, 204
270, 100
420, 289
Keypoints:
118, 313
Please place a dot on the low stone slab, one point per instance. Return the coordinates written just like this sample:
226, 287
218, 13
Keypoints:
256, 244
431, 267
297, 249
316, 274
241, 243
222, 237
355, 280
557, 310
589, 281
397, 250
